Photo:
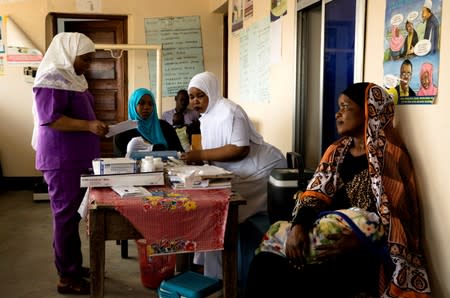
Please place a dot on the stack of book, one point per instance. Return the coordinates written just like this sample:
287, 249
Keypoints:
199, 177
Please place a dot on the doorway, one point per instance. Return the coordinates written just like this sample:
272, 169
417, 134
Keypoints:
307, 116
330, 48
107, 77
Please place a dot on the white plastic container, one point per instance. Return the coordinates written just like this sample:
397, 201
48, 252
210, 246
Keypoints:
147, 164
158, 164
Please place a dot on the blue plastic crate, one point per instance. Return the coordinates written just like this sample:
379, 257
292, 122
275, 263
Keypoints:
190, 285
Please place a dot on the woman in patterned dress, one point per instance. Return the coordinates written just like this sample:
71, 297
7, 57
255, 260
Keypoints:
369, 168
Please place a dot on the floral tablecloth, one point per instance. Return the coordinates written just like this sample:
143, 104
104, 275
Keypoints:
173, 220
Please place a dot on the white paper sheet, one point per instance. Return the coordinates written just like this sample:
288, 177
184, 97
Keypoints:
83, 209
121, 127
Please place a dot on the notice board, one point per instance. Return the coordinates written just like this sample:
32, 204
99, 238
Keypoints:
254, 56
182, 50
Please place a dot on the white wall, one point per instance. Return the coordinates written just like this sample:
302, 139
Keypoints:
426, 132
274, 119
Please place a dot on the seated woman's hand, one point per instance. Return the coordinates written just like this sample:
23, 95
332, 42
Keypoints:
296, 244
192, 157
342, 243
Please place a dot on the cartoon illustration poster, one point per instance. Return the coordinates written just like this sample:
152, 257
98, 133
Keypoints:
411, 50
278, 8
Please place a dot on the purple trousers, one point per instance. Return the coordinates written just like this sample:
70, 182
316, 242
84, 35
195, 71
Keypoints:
65, 198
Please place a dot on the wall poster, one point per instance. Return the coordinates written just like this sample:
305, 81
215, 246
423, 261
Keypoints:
19, 47
254, 71
248, 9
411, 50
237, 17
182, 53
2, 42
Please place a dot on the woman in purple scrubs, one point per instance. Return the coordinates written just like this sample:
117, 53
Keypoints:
66, 142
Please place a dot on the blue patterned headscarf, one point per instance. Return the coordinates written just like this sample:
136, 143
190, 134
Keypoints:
149, 128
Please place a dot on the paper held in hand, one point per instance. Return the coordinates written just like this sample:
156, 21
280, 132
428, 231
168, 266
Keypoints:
121, 127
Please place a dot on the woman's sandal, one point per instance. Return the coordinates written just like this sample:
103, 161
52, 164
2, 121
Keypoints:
77, 286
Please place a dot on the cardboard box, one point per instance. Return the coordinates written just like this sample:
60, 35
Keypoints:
118, 165
134, 179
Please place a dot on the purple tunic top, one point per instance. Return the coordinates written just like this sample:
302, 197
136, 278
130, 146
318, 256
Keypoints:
64, 150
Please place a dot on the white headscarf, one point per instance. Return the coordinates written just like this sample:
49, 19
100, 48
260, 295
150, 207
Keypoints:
216, 123
56, 69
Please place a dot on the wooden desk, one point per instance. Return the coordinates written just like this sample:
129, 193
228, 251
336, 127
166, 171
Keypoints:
105, 223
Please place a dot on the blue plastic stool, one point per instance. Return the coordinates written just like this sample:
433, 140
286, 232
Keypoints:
190, 285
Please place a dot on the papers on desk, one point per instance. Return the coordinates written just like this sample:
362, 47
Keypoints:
121, 127
131, 191
198, 177
178, 183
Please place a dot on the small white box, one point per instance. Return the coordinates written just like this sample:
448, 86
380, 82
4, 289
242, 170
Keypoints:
118, 165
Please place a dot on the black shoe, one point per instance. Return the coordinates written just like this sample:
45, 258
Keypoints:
75, 286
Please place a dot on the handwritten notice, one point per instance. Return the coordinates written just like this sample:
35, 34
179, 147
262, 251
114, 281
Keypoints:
254, 62
181, 40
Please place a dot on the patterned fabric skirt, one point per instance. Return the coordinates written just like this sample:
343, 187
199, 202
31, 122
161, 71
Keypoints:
366, 225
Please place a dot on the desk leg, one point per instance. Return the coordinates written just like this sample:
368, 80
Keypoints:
229, 254
97, 252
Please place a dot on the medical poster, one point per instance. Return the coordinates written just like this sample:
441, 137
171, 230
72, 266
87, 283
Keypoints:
412, 50
2, 42
181, 39
254, 72
20, 49
237, 17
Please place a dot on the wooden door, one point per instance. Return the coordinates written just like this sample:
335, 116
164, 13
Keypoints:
107, 76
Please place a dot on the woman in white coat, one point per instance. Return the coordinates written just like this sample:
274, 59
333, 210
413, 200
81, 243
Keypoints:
230, 141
